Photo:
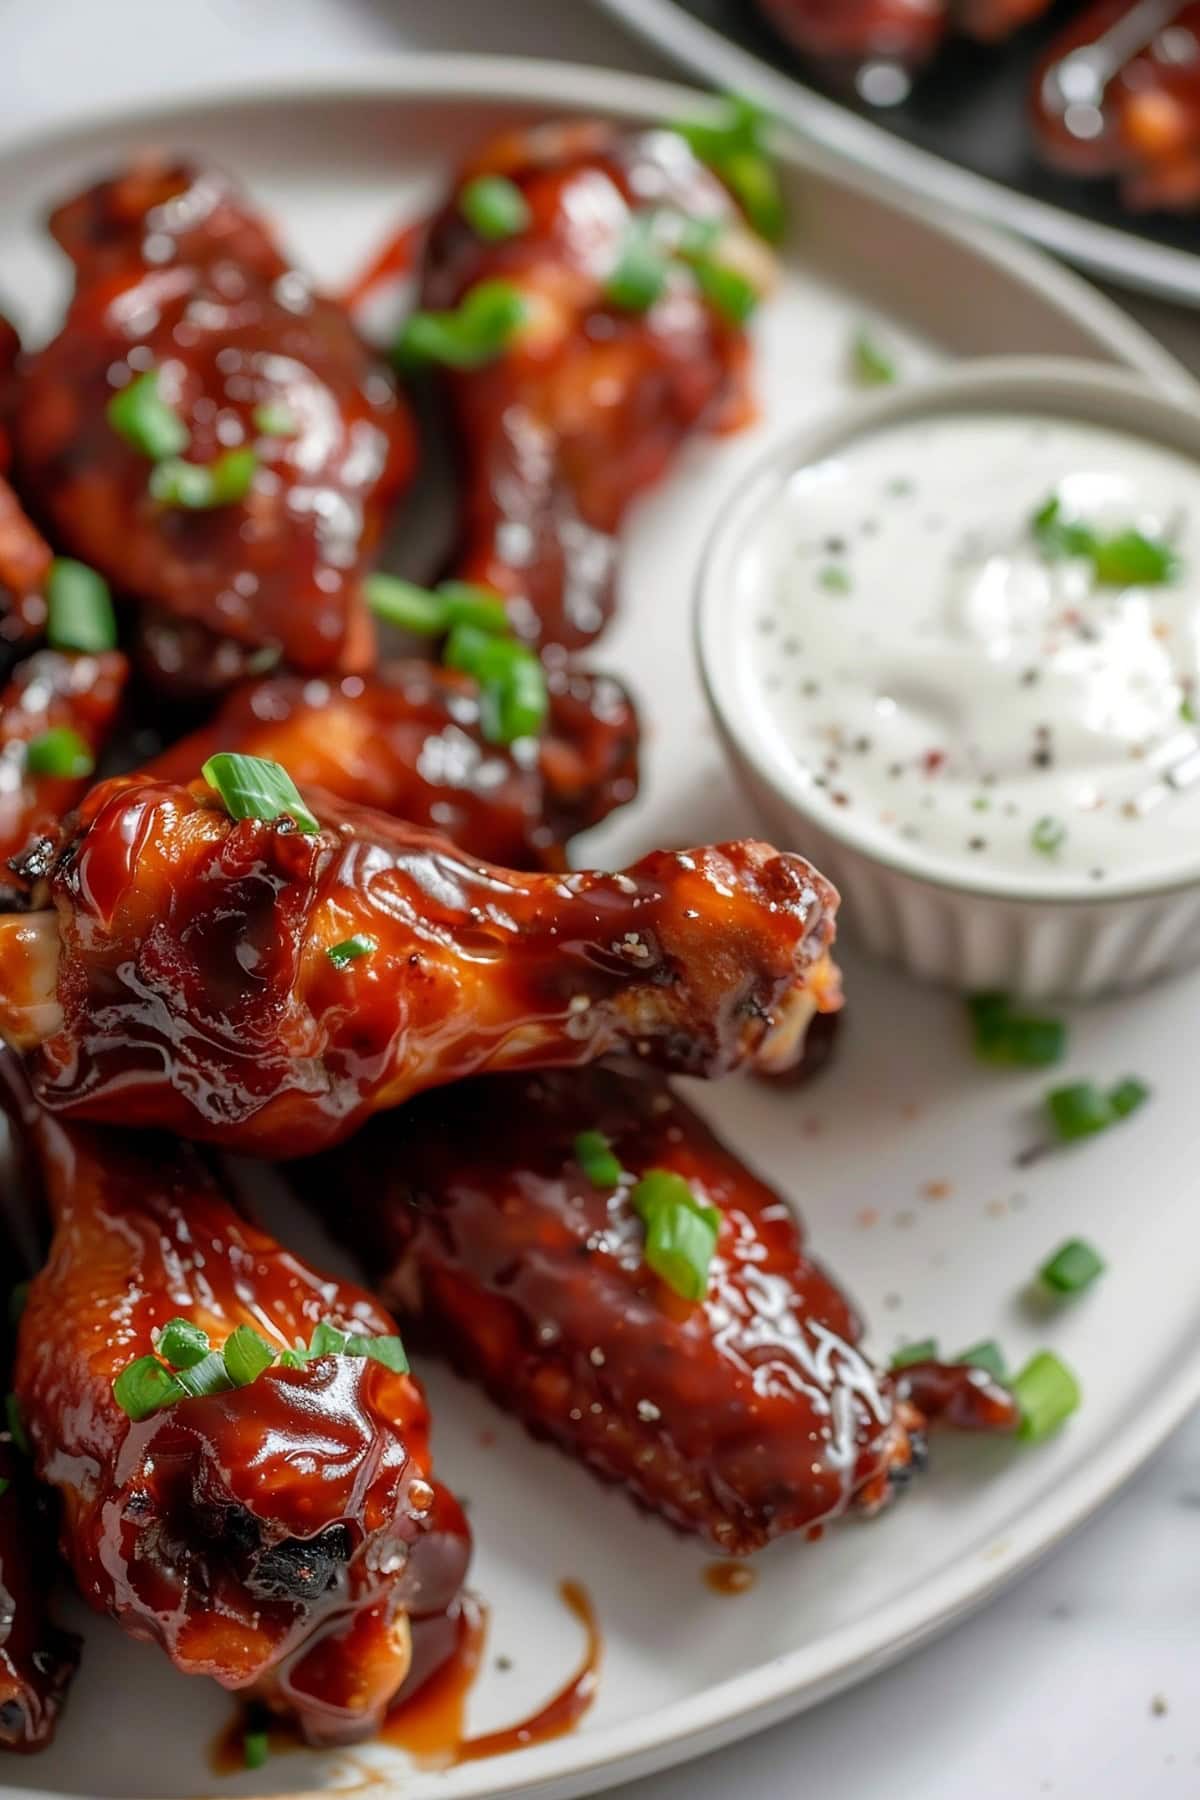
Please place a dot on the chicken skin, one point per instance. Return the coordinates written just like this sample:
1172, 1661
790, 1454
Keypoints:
752, 1413
589, 403
36, 1660
206, 431
277, 1535
268, 986
25, 560
1138, 116
408, 740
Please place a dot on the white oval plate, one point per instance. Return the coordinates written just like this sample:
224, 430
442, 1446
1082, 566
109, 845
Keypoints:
338, 160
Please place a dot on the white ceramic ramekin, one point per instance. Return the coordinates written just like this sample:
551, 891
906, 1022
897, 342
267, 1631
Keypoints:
985, 930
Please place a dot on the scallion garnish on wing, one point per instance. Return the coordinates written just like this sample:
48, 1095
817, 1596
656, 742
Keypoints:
350, 949
598, 1160
199, 487
60, 754
152, 1382
469, 335
681, 1232
987, 1356
253, 787
140, 415
79, 609
924, 1350
734, 147
432, 612
494, 207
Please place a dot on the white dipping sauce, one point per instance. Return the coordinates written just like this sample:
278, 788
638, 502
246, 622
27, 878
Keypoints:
946, 687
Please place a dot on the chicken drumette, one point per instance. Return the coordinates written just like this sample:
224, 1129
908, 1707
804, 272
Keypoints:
276, 1535
409, 740
850, 33
507, 1220
206, 430
588, 402
268, 984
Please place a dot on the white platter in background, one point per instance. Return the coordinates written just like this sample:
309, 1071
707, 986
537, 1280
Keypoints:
901, 1159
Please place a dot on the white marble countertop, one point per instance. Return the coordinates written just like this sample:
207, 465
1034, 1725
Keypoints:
1081, 1681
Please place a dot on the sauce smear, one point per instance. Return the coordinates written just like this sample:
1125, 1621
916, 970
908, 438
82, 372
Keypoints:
395, 259
729, 1578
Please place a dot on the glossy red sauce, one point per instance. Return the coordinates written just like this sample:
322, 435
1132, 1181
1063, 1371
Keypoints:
396, 258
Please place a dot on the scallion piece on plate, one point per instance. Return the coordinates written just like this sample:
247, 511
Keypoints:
681, 1232
494, 207
986, 1355
59, 753
1047, 1393
596, 1157
870, 363
253, 787
1072, 1268
350, 949
1011, 1039
1127, 1096
79, 609
247, 1355
1083, 1108
140, 415
925, 1350
256, 1749
468, 336
144, 1387
200, 487
183, 1344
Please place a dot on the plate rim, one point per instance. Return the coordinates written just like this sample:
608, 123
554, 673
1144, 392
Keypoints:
748, 1702
1104, 250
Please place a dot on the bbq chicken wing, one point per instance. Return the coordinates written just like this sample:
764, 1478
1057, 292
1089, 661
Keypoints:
1115, 101
268, 986
858, 31
505, 1220
36, 1660
25, 560
409, 740
276, 1535
206, 430
590, 402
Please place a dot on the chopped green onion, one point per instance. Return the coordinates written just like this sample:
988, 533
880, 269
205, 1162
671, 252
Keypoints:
834, 579
1048, 835
595, 1156
735, 149
429, 613
640, 274
1127, 1096
871, 364
274, 418
1072, 1268
986, 1355
924, 1351
247, 1355
386, 1350
144, 1387
681, 1233
350, 949
494, 207
199, 487
327, 1340
16, 1425
726, 289
209, 1376
79, 609
60, 753
1083, 1109
253, 787
1187, 710
256, 1749
1011, 1039
1047, 1393
1125, 559
513, 700
183, 1344
140, 415
471, 334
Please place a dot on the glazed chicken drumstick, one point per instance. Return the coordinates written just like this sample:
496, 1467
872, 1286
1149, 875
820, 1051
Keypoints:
207, 431
588, 399
274, 1527
268, 983
37, 1661
409, 740
582, 1245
